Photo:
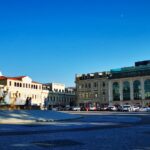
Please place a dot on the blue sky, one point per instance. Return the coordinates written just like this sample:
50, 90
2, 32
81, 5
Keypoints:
52, 40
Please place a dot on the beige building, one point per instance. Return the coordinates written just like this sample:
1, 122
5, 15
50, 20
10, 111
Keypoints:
22, 87
92, 88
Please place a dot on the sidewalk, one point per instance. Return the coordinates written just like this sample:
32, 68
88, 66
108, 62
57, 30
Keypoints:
33, 116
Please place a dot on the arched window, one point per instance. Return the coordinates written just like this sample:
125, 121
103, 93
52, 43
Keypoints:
137, 90
126, 90
20, 84
147, 89
86, 85
116, 94
89, 85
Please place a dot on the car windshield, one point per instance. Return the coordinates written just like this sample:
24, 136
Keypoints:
126, 106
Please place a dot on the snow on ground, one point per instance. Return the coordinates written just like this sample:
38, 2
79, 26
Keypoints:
31, 116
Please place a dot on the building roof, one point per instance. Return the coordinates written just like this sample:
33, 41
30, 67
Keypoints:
11, 78
18, 78
93, 75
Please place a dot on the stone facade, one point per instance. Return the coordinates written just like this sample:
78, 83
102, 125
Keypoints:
128, 85
92, 88
140, 96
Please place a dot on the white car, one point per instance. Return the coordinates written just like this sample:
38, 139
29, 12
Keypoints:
144, 109
76, 108
112, 108
135, 108
127, 108
92, 108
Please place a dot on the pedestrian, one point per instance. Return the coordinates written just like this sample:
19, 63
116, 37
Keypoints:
30, 103
26, 102
45, 104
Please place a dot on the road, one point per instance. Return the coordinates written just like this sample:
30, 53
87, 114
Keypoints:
94, 131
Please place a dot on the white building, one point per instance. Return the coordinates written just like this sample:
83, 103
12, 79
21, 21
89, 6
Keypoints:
22, 87
59, 95
57, 87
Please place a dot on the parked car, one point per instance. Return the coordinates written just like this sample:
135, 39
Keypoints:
119, 108
144, 109
83, 108
148, 109
127, 108
135, 108
111, 108
104, 108
92, 108
67, 107
98, 108
76, 108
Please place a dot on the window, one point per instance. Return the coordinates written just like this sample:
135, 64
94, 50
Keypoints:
20, 85
137, 90
104, 84
116, 94
95, 84
9, 83
104, 92
86, 85
126, 90
147, 89
89, 85
82, 86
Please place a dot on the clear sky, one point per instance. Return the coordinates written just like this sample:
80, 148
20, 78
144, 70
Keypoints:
52, 40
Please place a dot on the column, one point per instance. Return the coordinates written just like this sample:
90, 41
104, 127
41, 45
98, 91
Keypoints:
131, 90
142, 89
99, 90
121, 91
110, 95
